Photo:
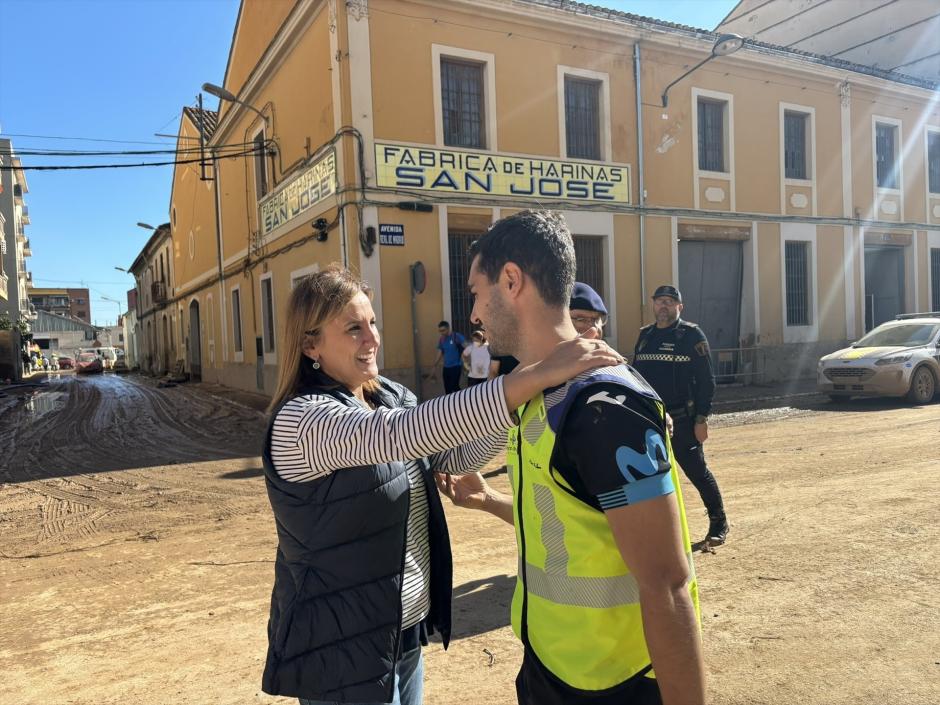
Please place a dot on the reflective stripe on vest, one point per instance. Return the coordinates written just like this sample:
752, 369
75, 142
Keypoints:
553, 583
576, 603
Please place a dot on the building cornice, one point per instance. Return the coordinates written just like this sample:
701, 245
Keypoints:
160, 235
628, 29
303, 13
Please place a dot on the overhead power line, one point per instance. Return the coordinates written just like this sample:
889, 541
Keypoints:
40, 152
84, 282
78, 139
73, 167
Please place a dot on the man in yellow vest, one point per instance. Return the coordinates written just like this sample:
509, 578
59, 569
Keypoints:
606, 591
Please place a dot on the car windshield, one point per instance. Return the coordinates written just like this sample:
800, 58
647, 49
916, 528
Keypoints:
87, 357
903, 334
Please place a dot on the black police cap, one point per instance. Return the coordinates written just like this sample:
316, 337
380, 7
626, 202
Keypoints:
668, 290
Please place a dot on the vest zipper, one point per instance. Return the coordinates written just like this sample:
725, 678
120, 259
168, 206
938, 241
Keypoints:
401, 607
524, 625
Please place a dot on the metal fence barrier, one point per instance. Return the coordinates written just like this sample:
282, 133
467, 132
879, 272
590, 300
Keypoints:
739, 365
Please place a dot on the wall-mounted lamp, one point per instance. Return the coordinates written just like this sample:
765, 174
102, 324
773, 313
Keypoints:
724, 45
223, 94
322, 226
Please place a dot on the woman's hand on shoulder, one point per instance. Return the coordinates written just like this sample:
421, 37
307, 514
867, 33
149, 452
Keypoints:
569, 359
572, 357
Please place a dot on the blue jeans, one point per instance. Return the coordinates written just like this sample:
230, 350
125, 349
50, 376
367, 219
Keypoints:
409, 682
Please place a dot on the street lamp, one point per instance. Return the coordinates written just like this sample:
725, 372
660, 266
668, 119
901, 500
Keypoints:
724, 45
145, 226
223, 94
113, 301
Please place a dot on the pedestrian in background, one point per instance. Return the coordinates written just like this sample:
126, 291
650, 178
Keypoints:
504, 363
363, 568
673, 356
450, 349
477, 361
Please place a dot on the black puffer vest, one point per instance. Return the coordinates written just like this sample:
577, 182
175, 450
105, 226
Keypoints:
335, 621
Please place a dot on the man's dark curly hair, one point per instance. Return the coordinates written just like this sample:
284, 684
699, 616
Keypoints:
539, 243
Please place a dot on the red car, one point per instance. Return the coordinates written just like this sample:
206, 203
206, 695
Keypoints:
88, 363
66, 363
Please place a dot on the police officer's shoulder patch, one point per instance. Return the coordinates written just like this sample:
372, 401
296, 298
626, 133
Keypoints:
702, 348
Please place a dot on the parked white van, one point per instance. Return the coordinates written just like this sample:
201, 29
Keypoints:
107, 355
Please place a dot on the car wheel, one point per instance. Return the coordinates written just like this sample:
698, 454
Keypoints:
923, 386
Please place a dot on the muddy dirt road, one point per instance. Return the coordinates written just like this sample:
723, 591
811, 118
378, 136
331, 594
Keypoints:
136, 550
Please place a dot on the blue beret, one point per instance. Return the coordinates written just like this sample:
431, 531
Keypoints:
584, 298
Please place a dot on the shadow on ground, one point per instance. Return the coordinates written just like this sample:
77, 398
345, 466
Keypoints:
243, 474
481, 606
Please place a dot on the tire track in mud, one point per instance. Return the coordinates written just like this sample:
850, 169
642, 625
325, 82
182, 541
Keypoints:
83, 451
61, 517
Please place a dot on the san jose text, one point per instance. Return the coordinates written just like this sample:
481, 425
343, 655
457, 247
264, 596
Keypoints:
465, 172
307, 189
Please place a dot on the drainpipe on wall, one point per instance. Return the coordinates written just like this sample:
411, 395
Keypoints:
637, 70
344, 247
218, 236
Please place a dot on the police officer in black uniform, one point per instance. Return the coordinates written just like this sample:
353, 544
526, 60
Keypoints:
673, 356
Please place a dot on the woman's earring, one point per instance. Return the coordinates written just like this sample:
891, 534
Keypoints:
316, 365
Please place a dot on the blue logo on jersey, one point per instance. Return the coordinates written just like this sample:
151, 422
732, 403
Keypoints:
645, 465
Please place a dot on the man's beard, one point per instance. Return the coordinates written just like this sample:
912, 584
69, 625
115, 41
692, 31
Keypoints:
502, 330
666, 317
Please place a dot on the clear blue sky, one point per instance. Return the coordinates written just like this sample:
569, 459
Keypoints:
123, 70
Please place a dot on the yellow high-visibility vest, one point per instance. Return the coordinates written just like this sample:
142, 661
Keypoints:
576, 605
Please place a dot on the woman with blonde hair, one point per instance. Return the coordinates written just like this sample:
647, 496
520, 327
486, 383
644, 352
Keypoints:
363, 567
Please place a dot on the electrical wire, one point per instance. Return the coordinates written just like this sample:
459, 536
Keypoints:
82, 282
715, 71
77, 139
40, 152
73, 167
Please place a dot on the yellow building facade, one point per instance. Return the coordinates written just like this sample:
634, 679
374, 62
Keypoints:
157, 329
794, 199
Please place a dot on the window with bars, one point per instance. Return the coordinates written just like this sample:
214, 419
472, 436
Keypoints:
237, 319
461, 303
797, 282
933, 162
886, 157
794, 144
711, 134
261, 170
589, 252
582, 118
267, 314
462, 103
935, 278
